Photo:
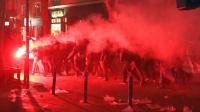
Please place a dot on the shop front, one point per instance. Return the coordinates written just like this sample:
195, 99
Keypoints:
58, 21
64, 15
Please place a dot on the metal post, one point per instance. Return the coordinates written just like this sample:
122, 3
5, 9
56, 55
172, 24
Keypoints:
54, 82
85, 86
26, 71
18, 73
130, 90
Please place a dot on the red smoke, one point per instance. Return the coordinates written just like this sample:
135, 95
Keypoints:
144, 26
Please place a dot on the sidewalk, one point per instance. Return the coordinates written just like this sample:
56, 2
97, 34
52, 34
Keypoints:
103, 96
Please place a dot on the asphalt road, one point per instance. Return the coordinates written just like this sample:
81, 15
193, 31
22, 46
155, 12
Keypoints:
103, 96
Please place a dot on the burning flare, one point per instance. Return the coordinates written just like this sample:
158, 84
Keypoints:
22, 50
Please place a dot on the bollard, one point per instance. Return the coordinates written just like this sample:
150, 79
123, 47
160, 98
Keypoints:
54, 82
85, 86
28, 81
130, 90
18, 73
26, 77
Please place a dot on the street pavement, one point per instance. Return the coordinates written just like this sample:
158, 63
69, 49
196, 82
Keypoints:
103, 96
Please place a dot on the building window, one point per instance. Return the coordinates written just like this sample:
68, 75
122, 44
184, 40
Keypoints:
37, 9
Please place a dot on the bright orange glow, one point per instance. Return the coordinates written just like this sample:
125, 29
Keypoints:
22, 50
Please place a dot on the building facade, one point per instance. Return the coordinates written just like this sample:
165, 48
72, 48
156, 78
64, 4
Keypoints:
10, 33
64, 13
12, 25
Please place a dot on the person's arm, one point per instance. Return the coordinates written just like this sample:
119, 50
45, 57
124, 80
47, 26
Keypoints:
72, 53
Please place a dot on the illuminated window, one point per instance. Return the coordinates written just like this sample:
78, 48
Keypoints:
58, 13
65, 20
59, 20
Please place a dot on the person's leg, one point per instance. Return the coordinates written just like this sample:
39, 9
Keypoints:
40, 66
160, 83
33, 66
105, 71
124, 73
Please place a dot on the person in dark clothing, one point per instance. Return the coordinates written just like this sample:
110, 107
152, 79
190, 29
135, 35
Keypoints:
68, 62
79, 55
129, 65
165, 75
125, 58
93, 63
105, 63
133, 70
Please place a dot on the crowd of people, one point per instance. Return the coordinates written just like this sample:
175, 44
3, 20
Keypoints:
72, 58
